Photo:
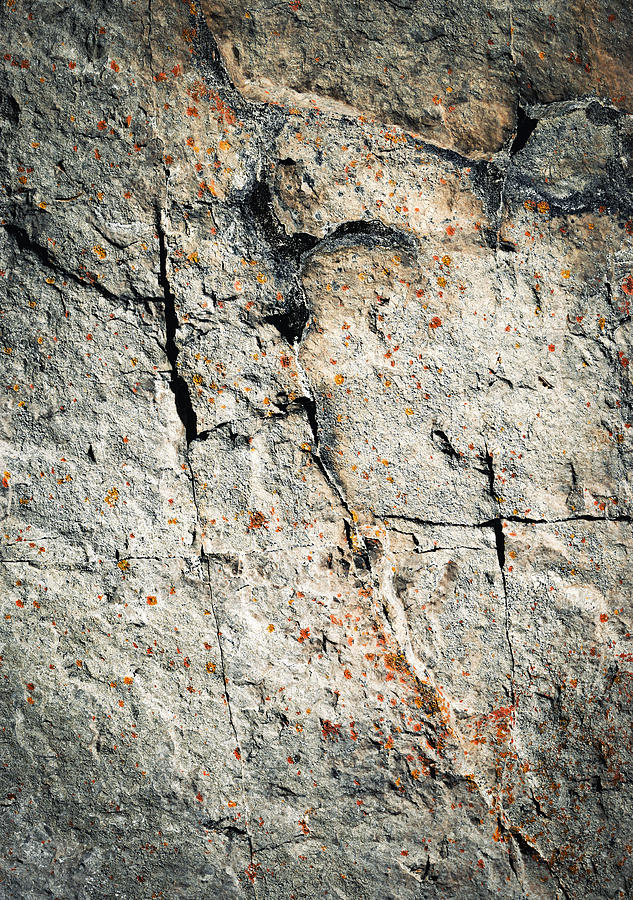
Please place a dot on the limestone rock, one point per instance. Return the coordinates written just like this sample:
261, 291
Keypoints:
315, 450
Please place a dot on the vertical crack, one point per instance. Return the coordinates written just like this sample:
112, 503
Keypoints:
355, 541
490, 472
150, 17
251, 872
500, 543
178, 385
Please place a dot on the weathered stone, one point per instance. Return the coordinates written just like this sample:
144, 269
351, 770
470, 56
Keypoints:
315, 473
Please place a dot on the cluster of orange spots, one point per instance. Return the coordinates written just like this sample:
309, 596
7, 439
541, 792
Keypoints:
542, 206
257, 520
17, 63
330, 730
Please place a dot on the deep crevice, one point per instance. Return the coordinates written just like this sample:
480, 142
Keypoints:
370, 233
182, 397
309, 407
258, 205
500, 544
494, 242
525, 126
290, 322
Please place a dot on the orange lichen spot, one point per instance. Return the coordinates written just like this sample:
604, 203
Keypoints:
435, 322
339, 379
151, 600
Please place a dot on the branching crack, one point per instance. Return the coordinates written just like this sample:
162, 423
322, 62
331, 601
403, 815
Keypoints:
356, 542
529, 850
26, 244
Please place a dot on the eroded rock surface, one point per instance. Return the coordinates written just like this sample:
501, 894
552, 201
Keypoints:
315, 450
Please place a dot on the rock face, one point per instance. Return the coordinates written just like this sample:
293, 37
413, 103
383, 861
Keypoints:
315, 450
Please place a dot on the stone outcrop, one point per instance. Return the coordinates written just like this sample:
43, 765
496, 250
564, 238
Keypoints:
315, 450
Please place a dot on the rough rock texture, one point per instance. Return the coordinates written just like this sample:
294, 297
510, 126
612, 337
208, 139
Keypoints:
315, 450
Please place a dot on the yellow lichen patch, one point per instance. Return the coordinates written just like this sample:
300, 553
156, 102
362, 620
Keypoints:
112, 497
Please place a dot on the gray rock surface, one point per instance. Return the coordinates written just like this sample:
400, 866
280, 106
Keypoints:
315, 450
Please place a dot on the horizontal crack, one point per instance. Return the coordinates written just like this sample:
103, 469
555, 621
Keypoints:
522, 520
